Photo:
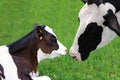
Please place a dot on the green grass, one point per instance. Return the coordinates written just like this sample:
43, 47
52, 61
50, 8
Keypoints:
17, 18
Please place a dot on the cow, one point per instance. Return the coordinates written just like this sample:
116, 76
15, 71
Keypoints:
99, 25
19, 60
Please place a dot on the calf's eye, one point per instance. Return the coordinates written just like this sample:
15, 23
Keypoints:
53, 39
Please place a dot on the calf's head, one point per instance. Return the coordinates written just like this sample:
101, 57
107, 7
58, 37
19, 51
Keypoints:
49, 46
98, 26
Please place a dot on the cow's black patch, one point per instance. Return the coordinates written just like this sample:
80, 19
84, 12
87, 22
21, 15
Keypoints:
97, 2
112, 22
89, 40
1, 72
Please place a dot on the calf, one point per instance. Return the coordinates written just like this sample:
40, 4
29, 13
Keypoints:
99, 24
26, 52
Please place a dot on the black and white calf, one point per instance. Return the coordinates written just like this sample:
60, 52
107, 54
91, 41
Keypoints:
99, 24
19, 60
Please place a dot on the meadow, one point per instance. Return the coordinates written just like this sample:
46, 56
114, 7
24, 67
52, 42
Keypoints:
17, 18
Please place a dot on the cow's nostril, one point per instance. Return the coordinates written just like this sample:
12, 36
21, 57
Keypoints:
74, 57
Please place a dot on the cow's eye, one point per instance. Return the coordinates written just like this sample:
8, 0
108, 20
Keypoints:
53, 39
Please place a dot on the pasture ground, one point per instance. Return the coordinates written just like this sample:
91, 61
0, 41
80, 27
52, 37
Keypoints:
17, 18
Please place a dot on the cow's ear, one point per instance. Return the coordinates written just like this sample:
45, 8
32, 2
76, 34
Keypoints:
112, 22
84, 1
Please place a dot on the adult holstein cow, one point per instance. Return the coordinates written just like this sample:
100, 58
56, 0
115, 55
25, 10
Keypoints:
99, 24
19, 60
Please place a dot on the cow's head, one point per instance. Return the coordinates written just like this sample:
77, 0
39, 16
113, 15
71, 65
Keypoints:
98, 26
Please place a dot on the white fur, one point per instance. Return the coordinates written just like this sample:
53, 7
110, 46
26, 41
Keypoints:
33, 74
41, 78
47, 28
10, 69
92, 13
107, 36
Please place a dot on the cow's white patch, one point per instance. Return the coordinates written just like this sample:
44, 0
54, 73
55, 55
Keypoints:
10, 69
107, 36
105, 7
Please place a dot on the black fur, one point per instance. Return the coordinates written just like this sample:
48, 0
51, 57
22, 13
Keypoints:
89, 40
97, 2
112, 22
1, 72
84, 1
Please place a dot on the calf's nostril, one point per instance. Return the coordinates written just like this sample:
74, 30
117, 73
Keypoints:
65, 50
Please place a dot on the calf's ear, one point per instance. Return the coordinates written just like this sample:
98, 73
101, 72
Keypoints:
112, 22
39, 32
35, 25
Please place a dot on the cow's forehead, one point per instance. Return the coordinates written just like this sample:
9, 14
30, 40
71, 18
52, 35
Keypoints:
48, 29
88, 14
94, 13
93, 9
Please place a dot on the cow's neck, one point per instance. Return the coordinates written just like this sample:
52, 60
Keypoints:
31, 57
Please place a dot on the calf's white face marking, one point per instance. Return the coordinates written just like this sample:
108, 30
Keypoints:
92, 32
